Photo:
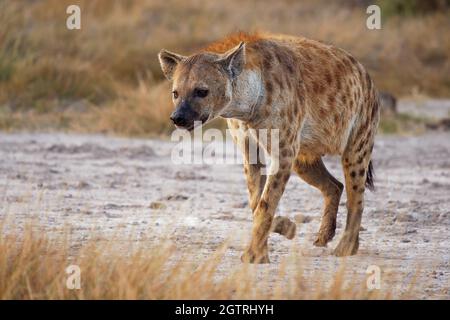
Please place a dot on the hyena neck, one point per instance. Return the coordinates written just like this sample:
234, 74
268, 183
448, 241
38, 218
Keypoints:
248, 94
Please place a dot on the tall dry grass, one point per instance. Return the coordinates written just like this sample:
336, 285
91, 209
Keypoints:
106, 77
33, 266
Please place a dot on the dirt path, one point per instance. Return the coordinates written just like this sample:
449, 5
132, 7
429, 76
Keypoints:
129, 189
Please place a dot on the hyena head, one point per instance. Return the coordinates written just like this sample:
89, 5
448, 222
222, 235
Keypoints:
201, 83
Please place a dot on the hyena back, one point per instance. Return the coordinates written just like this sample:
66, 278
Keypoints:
320, 99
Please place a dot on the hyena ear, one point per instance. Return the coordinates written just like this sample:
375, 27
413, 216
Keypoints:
169, 61
234, 60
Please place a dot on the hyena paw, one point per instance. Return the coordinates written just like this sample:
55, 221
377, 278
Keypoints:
284, 226
323, 237
250, 256
347, 246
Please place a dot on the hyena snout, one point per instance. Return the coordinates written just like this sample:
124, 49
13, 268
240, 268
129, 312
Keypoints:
184, 116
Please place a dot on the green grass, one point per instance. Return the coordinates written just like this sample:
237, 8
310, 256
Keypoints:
402, 123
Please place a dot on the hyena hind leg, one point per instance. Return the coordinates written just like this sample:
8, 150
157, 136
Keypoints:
358, 175
316, 174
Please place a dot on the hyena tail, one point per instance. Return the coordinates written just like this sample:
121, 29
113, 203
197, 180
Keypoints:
369, 177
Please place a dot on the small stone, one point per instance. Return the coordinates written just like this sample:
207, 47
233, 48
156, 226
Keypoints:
410, 231
300, 218
405, 217
176, 197
157, 205
240, 205
284, 226
83, 185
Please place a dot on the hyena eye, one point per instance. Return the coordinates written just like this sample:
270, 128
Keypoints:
175, 94
201, 93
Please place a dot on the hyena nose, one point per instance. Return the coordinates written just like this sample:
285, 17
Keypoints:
178, 119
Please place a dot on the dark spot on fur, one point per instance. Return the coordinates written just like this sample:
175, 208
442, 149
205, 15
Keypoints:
352, 60
331, 100
355, 187
290, 68
279, 56
328, 78
263, 205
341, 67
374, 109
323, 113
269, 91
269, 99
269, 87
351, 104
360, 146
318, 87
279, 82
336, 118
267, 61
368, 81
284, 165
362, 172
338, 81
353, 174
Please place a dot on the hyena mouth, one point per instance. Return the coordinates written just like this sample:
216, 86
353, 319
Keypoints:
204, 118
190, 127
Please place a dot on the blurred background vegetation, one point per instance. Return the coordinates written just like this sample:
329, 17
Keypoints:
106, 77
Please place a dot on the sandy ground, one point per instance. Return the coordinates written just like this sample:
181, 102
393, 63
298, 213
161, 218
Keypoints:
129, 190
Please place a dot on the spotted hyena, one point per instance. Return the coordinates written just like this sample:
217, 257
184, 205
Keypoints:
320, 99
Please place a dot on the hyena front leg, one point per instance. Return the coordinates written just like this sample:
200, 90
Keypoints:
256, 182
314, 172
252, 170
257, 251
253, 165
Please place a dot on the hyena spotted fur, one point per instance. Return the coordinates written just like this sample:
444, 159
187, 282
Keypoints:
320, 99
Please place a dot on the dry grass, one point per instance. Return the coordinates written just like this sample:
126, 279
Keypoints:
33, 266
106, 76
